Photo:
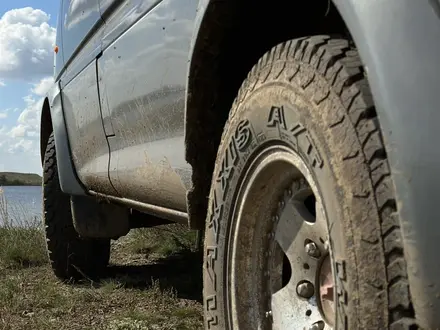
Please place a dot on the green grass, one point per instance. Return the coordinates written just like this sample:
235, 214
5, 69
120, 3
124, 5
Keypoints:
154, 282
161, 241
21, 247
33, 299
21, 243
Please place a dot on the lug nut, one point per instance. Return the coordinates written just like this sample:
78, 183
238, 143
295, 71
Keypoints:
312, 250
317, 326
305, 290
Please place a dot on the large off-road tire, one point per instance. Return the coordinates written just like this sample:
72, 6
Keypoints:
302, 203
71, 257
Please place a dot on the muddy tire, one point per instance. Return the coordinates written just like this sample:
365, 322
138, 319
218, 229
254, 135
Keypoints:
71, 257
301, 161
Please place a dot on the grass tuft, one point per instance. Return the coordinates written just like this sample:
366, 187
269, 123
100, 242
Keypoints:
161, 241
22, 243
153, 282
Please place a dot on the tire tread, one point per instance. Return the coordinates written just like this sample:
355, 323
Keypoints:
71, 257
339, 63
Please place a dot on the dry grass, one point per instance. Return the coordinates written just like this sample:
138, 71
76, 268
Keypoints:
153, 282
162, 240
33, 299
21, 243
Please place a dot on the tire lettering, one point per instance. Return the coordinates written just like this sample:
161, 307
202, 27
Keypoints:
211, 308
340, 269
239, 143
341, 293
211, 257
261, 137
308, 145
277, 118
340, 276
212, 321
313, 153
243, 134
297, 130
211, 303
342, 296
227, 168
216, 214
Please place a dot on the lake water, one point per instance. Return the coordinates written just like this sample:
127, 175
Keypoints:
23, 203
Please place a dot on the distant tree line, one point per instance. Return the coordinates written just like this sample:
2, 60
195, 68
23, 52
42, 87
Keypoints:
15, 182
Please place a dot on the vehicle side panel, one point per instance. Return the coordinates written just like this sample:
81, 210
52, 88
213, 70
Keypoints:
142, 78
90, 151
82, 30
119, 18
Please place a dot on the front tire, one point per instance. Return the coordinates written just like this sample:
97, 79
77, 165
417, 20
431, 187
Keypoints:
71, 257
302, 161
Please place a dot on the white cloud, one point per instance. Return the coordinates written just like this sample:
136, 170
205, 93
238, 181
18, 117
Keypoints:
23, 138
22, 146
18, 131
42, 87
9, 110
28, 122
26, 54
26, 43
26, 15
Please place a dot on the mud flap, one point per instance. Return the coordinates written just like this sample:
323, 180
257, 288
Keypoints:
93, 219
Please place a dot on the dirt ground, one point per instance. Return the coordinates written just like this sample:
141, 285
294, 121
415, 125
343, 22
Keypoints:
147, 286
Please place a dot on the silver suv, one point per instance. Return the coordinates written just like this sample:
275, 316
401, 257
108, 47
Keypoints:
298, 136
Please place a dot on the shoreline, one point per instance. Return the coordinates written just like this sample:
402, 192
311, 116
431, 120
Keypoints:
19, 179
20, 185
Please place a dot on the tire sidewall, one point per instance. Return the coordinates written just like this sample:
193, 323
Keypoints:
273, 114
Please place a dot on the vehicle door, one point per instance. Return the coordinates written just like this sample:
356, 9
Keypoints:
82, 28
142, 77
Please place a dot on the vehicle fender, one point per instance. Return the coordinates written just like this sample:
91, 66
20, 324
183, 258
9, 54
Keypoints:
69, 181
399, 43
213, 17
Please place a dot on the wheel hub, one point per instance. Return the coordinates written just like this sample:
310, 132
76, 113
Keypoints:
301, 234
294, 290
305, 299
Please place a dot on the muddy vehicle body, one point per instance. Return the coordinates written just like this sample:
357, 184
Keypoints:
299, 136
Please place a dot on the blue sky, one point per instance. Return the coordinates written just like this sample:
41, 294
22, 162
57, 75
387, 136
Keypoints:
27, 36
